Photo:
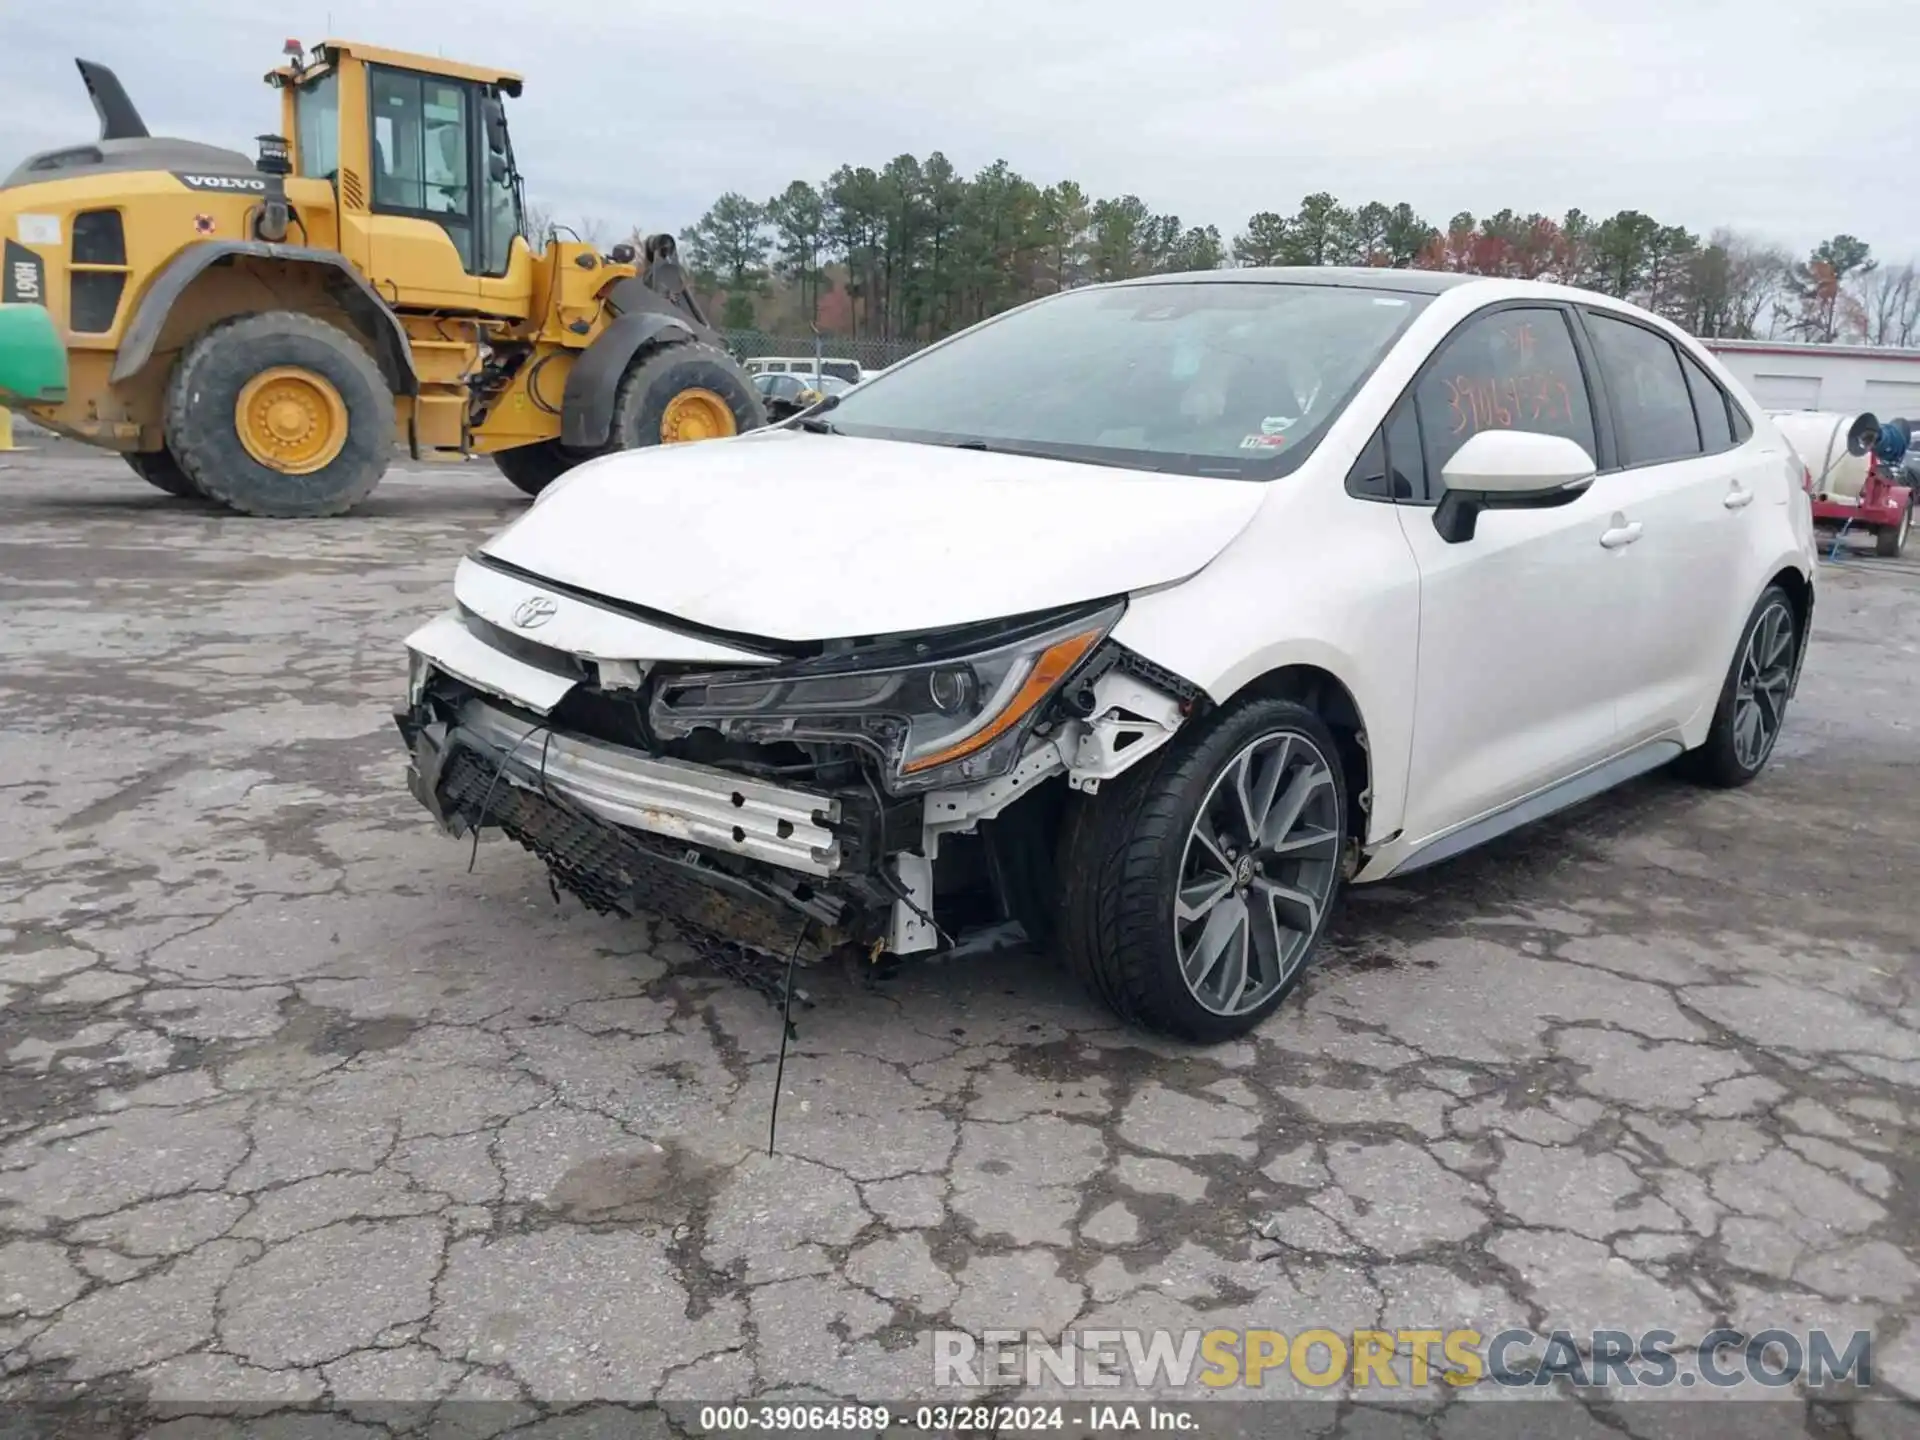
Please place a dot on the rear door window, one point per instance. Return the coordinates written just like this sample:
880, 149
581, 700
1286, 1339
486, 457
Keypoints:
1653, 411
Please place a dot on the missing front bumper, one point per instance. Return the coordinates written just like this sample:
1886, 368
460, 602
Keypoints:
468, 780
729, 814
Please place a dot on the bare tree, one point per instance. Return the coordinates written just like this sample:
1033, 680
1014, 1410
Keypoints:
1886, 308
538, 223
1755, 273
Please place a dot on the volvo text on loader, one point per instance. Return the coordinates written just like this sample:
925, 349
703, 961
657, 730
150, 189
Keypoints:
261, 332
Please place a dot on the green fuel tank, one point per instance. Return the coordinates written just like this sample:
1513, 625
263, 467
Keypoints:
33, 361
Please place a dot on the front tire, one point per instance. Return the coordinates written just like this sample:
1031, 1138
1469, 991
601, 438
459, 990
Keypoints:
1891, 541
1753, 699
282, 415
1196, 888
684, 393
160, 470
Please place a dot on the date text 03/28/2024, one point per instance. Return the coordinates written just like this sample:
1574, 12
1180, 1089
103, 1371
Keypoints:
979, 1419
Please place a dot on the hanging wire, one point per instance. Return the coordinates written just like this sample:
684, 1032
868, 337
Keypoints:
786, 1033
487, 798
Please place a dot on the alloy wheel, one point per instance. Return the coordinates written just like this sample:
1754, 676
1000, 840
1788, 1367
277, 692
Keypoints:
1257, 874
1760, 691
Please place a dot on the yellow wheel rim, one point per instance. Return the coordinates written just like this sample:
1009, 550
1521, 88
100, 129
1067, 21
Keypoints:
291, 420
696, 415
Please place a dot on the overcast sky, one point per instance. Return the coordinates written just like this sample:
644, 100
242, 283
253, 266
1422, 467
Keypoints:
1787, 118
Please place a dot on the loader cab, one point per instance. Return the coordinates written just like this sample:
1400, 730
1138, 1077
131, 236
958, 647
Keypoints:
421, 162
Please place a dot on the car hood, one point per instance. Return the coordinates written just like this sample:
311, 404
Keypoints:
797, 536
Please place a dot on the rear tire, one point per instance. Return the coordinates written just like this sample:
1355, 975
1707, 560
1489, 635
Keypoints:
1891, 541
1148, 924
643, 411
1753, 700
532, 468
160, 470
318, 435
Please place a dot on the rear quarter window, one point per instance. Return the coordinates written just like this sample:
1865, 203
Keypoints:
1711, 407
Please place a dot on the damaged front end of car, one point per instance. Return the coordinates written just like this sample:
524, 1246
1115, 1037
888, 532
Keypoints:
891, 794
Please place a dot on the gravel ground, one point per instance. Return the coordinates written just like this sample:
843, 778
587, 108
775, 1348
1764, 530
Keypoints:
296, 1106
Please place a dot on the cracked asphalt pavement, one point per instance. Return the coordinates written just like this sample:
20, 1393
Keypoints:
294, 1106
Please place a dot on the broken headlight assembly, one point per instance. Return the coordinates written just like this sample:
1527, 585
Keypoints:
938, 711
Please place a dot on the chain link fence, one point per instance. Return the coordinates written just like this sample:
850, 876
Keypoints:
867, 354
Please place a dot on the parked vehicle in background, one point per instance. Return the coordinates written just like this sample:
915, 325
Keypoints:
1147, 615
785, 396
802, 365
1855, 474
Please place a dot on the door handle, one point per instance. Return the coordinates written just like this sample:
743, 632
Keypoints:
1620, 535
1737, 498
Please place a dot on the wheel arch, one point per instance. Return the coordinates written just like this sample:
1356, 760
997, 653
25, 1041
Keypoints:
216, 280
1799, 587
593, 381
1332, 699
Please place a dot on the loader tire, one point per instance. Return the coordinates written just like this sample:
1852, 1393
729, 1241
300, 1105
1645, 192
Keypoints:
534, 467
280, 415
160, 470
682, 393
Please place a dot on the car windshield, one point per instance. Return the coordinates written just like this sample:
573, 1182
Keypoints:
1234, 378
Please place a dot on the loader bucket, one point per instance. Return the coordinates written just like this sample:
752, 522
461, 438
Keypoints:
33, 362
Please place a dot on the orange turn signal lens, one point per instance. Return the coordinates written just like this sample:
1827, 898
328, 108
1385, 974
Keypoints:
1048, 671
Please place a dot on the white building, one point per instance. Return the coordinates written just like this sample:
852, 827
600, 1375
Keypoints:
1845, 378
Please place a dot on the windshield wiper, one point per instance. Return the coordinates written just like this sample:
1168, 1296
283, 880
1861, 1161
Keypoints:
813, 426
1033, 453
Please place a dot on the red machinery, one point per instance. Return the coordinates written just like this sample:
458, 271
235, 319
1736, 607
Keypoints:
1853, 474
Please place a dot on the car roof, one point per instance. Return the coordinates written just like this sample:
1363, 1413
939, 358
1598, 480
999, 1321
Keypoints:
1488, 288
1357, 277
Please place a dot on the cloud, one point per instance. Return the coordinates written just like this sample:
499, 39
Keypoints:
1757, 113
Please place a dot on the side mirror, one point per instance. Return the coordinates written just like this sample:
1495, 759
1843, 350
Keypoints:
496, 117
497, 169
1508, 470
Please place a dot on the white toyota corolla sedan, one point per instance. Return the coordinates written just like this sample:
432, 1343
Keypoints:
1146, 615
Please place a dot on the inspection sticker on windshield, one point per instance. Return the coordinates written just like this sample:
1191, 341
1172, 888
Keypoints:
1262, 442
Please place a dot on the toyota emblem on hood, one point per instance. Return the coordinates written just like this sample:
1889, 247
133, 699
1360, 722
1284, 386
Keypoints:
533, 613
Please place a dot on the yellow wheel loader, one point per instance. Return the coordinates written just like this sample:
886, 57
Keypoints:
263, 332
